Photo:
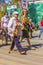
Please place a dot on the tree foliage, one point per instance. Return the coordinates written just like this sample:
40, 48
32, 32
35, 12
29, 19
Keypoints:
1, 14
15, 1
5, 5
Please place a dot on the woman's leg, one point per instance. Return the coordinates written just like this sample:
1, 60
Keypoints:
29, 43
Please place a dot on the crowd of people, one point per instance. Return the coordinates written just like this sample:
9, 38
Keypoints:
17, 30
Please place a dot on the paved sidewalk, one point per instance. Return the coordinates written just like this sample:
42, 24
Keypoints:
33, 57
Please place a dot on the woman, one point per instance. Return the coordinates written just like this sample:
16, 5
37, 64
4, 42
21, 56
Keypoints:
24, 20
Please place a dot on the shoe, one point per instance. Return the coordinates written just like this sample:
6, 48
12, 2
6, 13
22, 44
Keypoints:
11, 51
32, 48
23, 52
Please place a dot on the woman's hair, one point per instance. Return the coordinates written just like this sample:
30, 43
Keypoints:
23, 13
5, 13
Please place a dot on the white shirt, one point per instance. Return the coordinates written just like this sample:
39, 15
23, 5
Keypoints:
11, 25
5, 21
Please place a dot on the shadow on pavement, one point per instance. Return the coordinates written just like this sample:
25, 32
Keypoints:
35, 46
4, 45
35, 36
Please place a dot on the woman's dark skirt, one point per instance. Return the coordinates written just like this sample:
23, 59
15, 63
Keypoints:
25, 34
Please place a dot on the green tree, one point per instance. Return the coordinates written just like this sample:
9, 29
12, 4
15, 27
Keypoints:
1, 14
15, 1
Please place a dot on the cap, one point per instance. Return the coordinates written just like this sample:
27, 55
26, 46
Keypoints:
15, 13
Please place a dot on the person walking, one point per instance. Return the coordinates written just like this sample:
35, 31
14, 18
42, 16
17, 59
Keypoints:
13, 33
24, 20
4, 24
41, 28
31, 27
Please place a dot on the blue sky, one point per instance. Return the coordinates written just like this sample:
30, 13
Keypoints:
7, 0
